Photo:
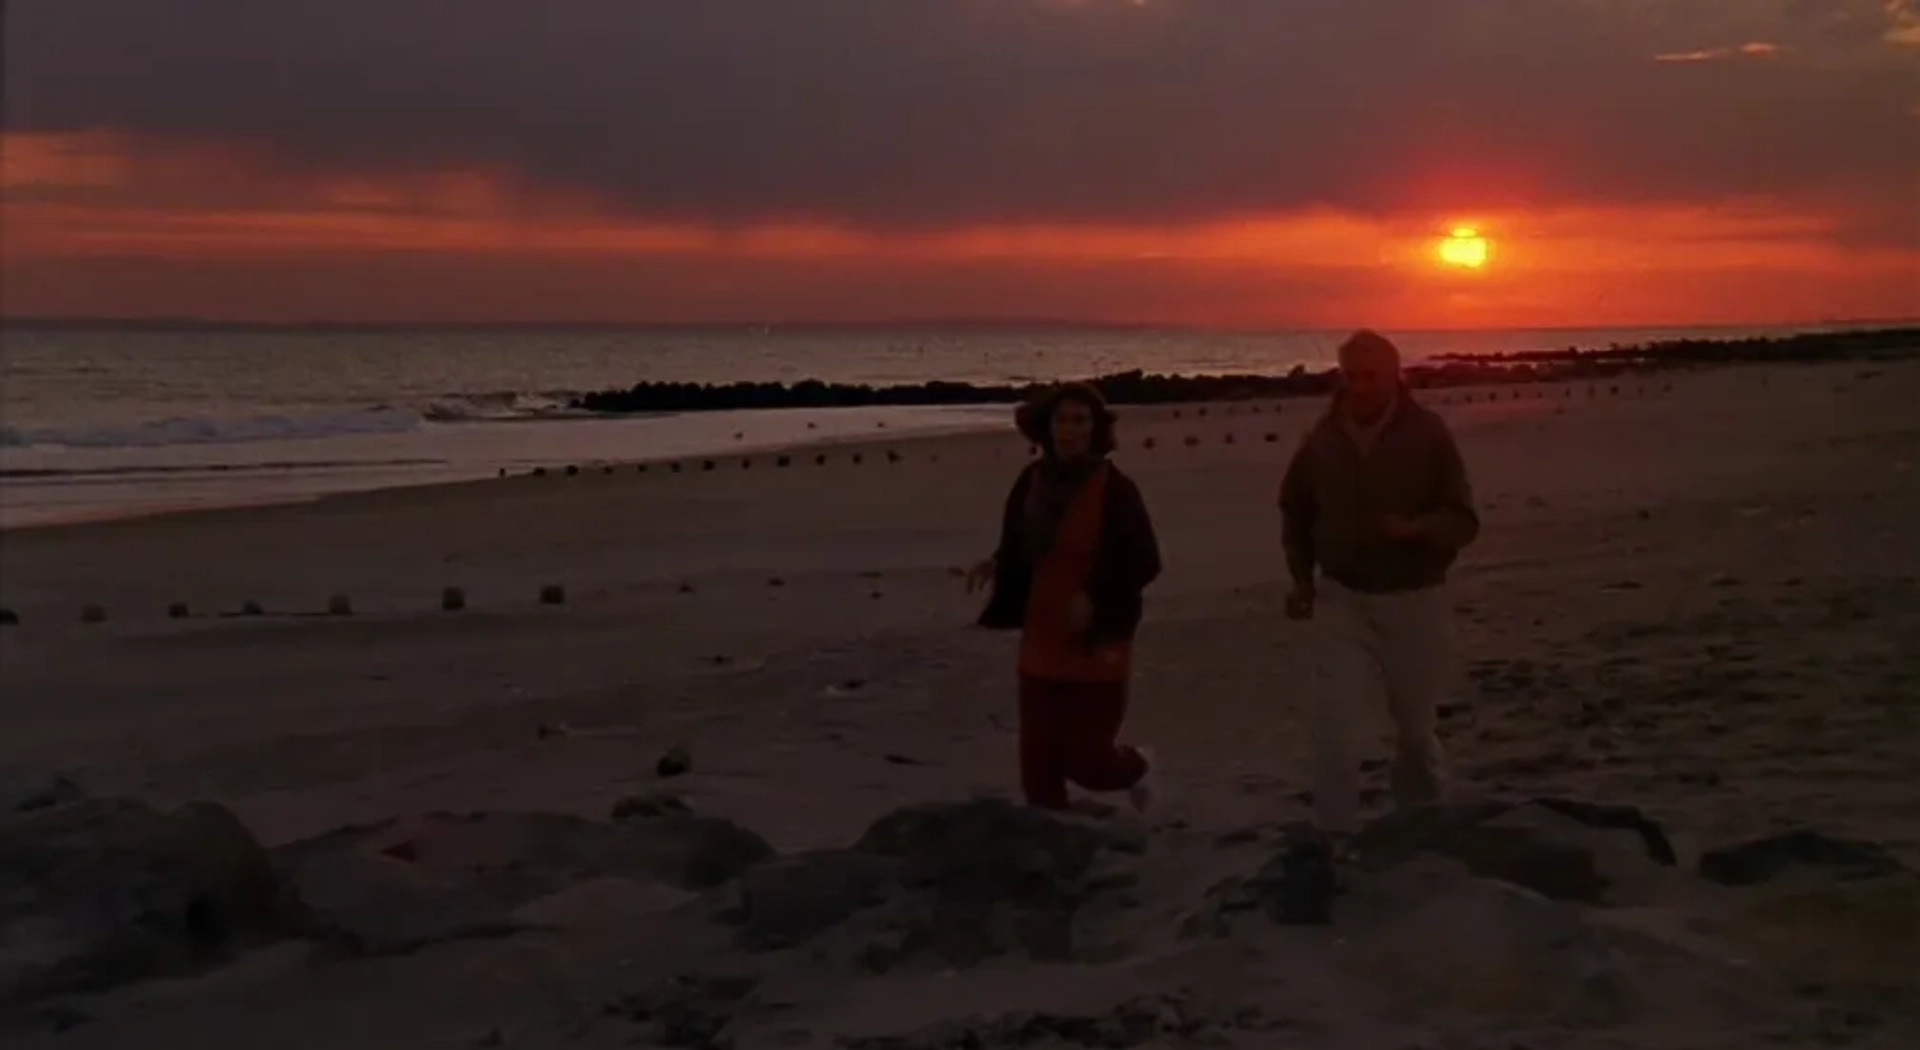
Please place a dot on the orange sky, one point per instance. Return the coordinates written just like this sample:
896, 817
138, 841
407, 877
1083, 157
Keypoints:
91, 231
1204, 162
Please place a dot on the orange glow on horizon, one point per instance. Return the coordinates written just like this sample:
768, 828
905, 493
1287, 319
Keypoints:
92, 204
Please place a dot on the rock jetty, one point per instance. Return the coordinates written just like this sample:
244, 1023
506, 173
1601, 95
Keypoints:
1146, 388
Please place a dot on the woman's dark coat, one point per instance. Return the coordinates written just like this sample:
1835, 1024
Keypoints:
1127, 560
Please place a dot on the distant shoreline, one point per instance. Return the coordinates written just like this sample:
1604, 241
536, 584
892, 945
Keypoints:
68, 478
1485, 370
1142, 388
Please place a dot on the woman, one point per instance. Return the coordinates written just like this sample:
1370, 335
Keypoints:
1076, 550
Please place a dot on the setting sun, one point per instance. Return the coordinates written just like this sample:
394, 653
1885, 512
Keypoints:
1464, 248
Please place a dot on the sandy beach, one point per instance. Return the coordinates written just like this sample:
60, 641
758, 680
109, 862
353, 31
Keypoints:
1696, 595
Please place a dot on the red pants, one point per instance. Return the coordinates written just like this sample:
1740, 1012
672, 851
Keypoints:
1067, 733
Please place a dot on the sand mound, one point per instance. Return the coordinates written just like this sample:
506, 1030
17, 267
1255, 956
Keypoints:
1560, 848
1432, 936
952, 884
98, 892
403, 884
983, 924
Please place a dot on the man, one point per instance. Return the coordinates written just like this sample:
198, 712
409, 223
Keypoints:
1377, 501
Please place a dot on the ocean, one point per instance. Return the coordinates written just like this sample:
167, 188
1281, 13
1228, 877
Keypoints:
116, 422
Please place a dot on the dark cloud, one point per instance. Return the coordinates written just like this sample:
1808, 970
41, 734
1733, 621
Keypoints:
913, 113
387, 286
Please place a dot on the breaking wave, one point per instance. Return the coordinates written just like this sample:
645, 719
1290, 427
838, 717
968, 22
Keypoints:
505, 406
381, 419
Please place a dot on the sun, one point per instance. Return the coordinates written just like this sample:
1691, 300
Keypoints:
1464, 249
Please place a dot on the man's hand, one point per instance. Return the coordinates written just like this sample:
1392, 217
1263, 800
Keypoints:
1403, 528
1300, 602
981, 575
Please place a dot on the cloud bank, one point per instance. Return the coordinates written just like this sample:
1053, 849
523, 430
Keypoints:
916, 114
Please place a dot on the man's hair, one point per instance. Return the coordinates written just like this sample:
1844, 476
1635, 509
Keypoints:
1035, 418
1367, 341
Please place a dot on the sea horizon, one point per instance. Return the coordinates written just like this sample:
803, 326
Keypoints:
905, 324
100, 421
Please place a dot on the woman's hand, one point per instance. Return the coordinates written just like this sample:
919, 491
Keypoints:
1402, 527
1079, 614
981, 575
